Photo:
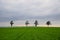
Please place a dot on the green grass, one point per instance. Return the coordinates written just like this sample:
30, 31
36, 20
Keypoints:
30, 33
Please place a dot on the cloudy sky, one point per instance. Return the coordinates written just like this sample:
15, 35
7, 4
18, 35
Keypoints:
22, 10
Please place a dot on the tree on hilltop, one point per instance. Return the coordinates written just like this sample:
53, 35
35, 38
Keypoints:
11, 22
48, 23
26, 23
36, 23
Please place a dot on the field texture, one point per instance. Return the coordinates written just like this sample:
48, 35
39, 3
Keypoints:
30, 33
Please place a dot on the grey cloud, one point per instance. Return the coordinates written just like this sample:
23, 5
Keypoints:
36, 9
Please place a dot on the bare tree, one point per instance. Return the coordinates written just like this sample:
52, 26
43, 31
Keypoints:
11, 22
26, 23
48, 23
36, 23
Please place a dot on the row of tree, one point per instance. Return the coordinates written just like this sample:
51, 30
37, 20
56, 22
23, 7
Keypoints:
27, 22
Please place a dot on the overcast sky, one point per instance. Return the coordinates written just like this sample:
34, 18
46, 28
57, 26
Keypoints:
22, 10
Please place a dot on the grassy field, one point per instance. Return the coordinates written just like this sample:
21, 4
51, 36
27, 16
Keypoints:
30, 33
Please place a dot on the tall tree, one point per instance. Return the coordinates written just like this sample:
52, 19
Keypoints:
36, 23
26, 23
48, 23
11, 23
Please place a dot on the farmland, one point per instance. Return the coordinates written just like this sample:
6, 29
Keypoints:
30, 33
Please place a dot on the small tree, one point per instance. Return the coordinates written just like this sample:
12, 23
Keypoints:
26, 23
48, 23
36, 23
11, 22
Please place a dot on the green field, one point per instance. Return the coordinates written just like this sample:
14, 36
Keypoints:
30, 33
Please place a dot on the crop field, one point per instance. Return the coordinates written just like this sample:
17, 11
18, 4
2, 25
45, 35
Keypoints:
30, 33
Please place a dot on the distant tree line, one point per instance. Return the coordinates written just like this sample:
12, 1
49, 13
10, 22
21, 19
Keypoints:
27, 23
